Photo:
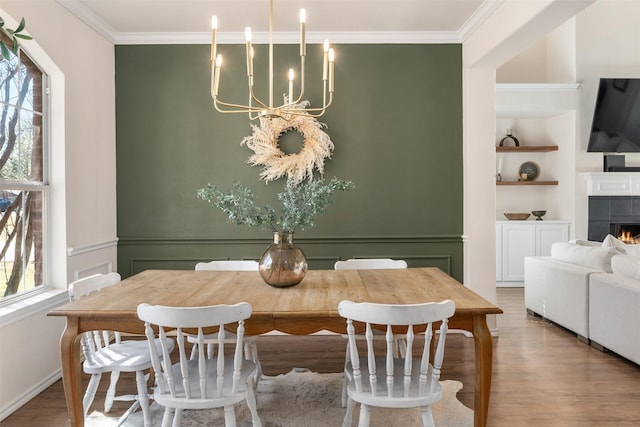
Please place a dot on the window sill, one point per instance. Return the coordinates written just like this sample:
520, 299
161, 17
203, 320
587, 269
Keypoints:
31, 305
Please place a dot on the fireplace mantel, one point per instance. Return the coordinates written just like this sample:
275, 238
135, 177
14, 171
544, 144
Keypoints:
612, 183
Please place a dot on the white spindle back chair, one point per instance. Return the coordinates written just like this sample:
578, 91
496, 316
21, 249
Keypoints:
250, 347
105, 351
387, 381
202, 382
372, 264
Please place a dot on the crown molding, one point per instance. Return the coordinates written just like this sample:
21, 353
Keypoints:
481, 14
85, 14
99, 25
290, 38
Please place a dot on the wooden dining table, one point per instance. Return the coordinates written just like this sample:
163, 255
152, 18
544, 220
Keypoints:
308, 307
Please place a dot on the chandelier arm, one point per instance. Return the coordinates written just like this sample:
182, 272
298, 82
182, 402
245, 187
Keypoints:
252, 96
237, 107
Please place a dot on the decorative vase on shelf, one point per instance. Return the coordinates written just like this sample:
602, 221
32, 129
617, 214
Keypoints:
508, 138
283, 264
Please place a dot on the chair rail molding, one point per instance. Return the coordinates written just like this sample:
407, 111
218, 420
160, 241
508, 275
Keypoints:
91, 247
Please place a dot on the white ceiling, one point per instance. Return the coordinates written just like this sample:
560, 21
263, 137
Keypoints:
342, 21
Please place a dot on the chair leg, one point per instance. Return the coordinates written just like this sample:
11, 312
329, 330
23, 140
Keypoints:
229, 416
254, 358
402, 347
251, 403
348, 416
90, 394
143, 397
427, 416
344, 380
177, 417
365, 416
166, 417
111, 392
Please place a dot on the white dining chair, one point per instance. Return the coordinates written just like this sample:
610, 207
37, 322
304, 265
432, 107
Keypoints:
201, 382
386, 381
105, 351
371, 263
250, 347
399, 343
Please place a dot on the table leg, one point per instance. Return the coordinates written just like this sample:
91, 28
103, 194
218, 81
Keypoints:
71, 375
484, 366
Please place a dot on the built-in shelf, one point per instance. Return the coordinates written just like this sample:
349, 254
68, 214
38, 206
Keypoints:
529, 149
527, 183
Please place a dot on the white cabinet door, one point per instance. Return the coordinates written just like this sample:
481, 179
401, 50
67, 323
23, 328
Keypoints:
547, 234
518, 241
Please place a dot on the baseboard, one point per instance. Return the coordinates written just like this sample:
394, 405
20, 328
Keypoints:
5, 411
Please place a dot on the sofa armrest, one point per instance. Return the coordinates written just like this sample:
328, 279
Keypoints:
558, 291
614, 314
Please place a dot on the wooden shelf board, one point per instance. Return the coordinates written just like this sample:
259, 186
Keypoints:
531, 148
527, 183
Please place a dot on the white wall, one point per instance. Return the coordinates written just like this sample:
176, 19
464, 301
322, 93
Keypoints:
83, 172
513, 27
608, 45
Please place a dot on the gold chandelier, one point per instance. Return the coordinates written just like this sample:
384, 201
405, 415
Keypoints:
257, 108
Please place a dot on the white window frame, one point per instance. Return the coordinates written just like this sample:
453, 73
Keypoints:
54, 157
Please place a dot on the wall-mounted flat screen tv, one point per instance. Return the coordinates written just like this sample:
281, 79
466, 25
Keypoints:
616, 118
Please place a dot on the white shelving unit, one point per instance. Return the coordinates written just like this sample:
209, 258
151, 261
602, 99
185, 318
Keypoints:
543, 118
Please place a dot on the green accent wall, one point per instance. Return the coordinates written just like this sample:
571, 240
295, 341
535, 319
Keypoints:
396, 122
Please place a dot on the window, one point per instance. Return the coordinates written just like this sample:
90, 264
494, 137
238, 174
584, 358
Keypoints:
23, 176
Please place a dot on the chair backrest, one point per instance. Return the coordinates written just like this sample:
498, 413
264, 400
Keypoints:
231, 265
211, 383
94, 341
90, 284
409, 316
369, 263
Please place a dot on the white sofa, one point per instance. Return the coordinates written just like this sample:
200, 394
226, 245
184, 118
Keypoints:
591, 289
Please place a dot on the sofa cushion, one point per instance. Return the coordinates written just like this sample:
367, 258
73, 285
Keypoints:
585, 242
588, 256
626, 265
612, 242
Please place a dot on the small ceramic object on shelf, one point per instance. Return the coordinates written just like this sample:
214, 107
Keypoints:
538, 214
529, 171
508, 138
517, 216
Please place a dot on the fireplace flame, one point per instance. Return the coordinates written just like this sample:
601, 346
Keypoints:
626, 237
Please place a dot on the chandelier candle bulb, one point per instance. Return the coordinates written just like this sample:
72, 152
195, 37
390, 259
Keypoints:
216, 78
247, 35
325, 62
214, 28
303, 41
331, 64
291, 76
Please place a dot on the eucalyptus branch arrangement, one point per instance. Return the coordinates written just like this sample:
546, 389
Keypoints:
301, 204
14, 35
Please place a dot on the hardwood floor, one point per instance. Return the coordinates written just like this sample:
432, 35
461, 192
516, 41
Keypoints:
543, 376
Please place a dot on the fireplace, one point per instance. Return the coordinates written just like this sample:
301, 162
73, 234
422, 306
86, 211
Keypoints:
616, 215
628, 233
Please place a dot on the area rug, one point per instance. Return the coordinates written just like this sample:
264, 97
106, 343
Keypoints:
304, 398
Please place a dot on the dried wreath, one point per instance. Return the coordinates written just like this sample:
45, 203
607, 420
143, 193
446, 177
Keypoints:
316, 147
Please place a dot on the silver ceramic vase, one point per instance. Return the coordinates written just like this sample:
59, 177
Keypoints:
283, 264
